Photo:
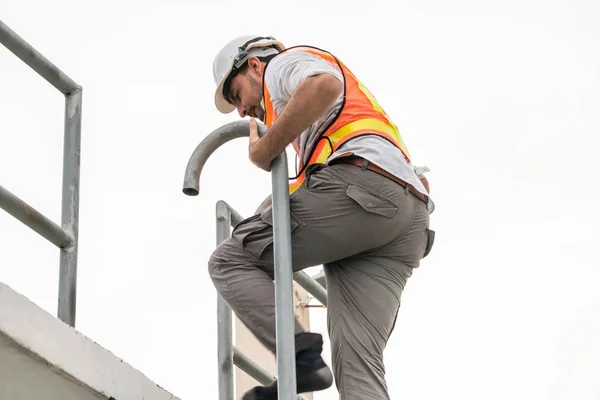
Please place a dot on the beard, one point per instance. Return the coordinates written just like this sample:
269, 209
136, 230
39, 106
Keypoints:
256, 111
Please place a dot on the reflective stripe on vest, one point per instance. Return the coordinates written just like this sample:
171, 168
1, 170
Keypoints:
359, 114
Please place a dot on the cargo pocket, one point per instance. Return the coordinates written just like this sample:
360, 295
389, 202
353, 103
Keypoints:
255, 234
430, 240
371, 202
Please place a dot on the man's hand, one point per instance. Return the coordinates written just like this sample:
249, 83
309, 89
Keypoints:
254, 148
310, 101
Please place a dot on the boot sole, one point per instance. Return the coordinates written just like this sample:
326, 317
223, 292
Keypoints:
319, 380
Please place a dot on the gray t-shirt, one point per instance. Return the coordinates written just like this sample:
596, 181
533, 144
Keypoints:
287, 71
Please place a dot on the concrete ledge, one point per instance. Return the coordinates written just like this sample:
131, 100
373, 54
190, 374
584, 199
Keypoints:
43, 358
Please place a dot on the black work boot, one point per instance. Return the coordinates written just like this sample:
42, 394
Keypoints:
312, 374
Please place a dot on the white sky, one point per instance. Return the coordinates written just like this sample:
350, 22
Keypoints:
499, 99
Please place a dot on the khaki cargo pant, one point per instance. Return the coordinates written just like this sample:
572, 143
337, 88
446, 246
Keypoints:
368, 232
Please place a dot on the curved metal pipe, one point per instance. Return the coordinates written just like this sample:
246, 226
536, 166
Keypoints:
284, 313
217, 138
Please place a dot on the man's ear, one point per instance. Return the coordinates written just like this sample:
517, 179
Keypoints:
255, 64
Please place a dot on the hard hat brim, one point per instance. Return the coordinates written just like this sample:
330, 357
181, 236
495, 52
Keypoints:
222, 105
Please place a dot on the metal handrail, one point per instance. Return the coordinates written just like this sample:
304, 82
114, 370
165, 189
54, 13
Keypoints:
34, 219
64, 237
40, 64
284, 315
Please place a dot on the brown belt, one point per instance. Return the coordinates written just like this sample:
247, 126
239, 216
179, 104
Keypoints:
358, 161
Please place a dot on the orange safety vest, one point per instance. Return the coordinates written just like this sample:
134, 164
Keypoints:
360, 114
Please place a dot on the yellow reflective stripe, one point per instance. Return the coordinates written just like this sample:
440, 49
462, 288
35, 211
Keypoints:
361, 125
371, 98
295, 184
401, 142
369, 124
324, 154
379, 109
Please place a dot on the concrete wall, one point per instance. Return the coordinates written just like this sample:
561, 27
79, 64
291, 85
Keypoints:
43, 358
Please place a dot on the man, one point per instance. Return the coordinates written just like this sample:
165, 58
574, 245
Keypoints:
357, 207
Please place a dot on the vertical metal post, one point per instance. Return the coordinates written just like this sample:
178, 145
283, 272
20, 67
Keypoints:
67, 289
224, 329
284, 306
284, 319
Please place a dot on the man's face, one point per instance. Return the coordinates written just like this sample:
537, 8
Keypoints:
245, 91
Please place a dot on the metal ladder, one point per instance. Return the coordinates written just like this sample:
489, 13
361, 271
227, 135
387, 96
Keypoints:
65, 237
227, 217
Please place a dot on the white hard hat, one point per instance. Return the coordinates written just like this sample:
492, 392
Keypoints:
233, 55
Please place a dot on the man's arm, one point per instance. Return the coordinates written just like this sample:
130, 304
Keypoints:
311, 100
